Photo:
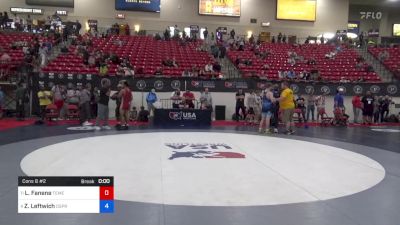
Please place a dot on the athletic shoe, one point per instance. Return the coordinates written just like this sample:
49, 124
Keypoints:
97, 128
87, 124
106, 127
276, 130
260, 131
291, 132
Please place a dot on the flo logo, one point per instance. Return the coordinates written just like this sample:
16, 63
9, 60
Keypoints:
182, 115
202, 151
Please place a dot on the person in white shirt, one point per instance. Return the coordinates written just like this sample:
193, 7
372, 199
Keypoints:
208, 67
176, 98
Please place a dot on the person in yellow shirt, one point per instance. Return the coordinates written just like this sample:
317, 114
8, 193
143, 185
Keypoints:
287, 106
45, 99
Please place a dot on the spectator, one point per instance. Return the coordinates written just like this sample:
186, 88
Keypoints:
233, 34
357, 107
253, 102
284, 38
339, 100
103, 70
59, 96
275, 108
301, 107
126, 99
151, 98
377, 108
273, 40
240, 95
205, 34
174, 63
385, 103
217, 67
291, 75
189, 99
143, 115
176, 99
20, 98
320, 103
287, 106
45, 98
206, 100
368, 107
266, 109
311, 102
2, 100
279, 37
117, 100
158, 71
208, 68
186, 73
382, 56
102, 105
84, 105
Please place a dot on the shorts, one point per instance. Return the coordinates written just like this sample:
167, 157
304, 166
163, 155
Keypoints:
266, 114
368, 112
287, 115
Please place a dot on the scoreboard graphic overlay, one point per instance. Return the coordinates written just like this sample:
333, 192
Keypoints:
65, 194
219, 7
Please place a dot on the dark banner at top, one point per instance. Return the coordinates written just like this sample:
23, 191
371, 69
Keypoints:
138, 5
170, 84
57, 3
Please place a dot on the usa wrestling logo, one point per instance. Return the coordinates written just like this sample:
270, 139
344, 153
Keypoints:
182, 115
203, 151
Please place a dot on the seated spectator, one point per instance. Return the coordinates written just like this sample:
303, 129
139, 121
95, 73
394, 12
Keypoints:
217, 67
383, 55
120, 71
157, 37
292, 61
158, 71
143, 115
5, 58
114, 59
189, 99
359, 65
360, 79
312, 61
91, 60
343, 80
208, 68
128, 71
103, 70
167, 62
186, 73
195, 71
369, 68
291, 75
174, 63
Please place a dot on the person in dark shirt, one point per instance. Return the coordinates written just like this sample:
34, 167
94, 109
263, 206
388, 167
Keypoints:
301, 107
102, 104
20, 97
276, 91
384, 105
117, 102
240, 96
143, 115
368, 107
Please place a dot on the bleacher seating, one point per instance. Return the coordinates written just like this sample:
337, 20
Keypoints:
144, 53
392, 63
343, 65
17, 55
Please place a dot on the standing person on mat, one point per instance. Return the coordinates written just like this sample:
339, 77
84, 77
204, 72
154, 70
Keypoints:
240, 95
126, 96
151, 99
357, 107
45, 98
102, 105
275, 108
266, 109
287, 106
84, 105
117, 103
20, 97
368, 107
